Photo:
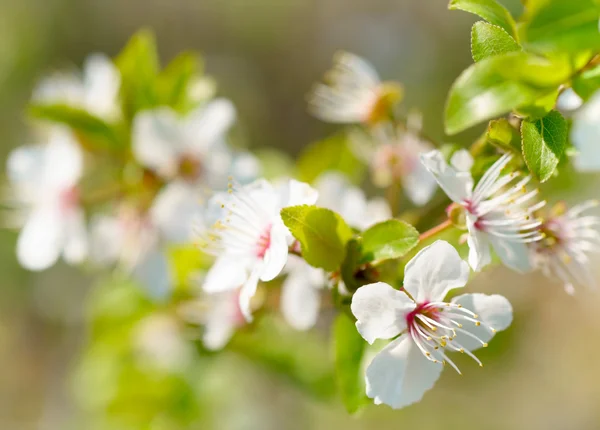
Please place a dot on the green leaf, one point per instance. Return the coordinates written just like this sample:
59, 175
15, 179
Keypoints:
387, 240
498, 84
174, 80
488, 40
562, 26
540, 107
490, 10
333, 153
349, 349
351, 264
92, 132
503, 135
139, 66
544, 143
587, 83
322, 233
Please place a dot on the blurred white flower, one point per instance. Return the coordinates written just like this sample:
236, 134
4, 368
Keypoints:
44, 180
352, 93
396, 160
192, 147
585, 134
568, 101
96, 91
249, 239
428, 326
337, 194
569, 236
496, 212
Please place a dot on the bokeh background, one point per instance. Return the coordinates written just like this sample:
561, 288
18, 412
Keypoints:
265, 54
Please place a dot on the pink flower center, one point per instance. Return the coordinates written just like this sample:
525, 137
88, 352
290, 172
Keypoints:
472, 209
264, 241
69, 198
426, 309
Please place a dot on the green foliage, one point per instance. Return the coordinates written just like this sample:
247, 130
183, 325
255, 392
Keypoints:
488, 40
139, 65
544, 142
490, 10
174, 80
499, 84
185, 261
388, 240
587, 83
322, 233
92, 132
332, 153
503, 135
561, 26
349, 349
352, 275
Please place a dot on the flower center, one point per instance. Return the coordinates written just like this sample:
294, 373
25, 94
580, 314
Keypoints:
434, 327
189, 167
69, 198
264, 241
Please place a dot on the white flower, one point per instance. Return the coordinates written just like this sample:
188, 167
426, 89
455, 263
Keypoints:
353, 93
191, 147
585, 134
337, 194
44, 181
569, 237
428, 326
97, 91
249, 239
396, 160
495, 210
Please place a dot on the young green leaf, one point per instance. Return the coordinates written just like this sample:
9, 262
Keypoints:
387, 240
562, 26
173, 82
93, 132
488, 40
332, 153
490, 10
498, 84
544, 143
503, 135
349, 349
587, 83
322, 233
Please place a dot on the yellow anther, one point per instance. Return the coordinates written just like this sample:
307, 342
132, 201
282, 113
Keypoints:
477, 323
462, 350
493, 330
428, 354
485, 345
475, 316
460, 326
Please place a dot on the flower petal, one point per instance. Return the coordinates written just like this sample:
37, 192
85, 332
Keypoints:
76, 238
226, 273
400, 375
175, 210
300, 300
153, 273
457, 185
63, 164
434, 271
462, 160
419, 185
380, 311
479, 247
513, 254
102, 81
220, 322
41, 239
207, 125
247, 292
107, 239
277, 253
585, 134
297, 193
494, 311
157, 140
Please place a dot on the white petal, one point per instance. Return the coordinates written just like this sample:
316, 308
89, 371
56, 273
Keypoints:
380, 311
102, 82
300, 300
378, 210
247, 292
331, 186
434, 271
40, 242
353, 207
76, 238
297, 193
153, 273
479, 247
585, 134
63, 164
494, 311
568, 101
419, 185
245, 168
400, 375
457, 185
512, 253
207, 125
157, 140
226, 273
277, 253
24, 169
217, 333
462, 160
175, 210
107, 237
221, 319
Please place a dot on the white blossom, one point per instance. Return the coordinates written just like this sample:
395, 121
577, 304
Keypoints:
45, 189
249, 239
427, 326
96, 90
496, 210
352, 93
585, 134
569, 236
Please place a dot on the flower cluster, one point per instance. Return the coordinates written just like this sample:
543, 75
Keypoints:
146, 180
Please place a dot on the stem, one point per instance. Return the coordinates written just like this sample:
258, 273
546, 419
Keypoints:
435, 230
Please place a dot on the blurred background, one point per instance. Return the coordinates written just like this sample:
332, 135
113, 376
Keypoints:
265, 54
